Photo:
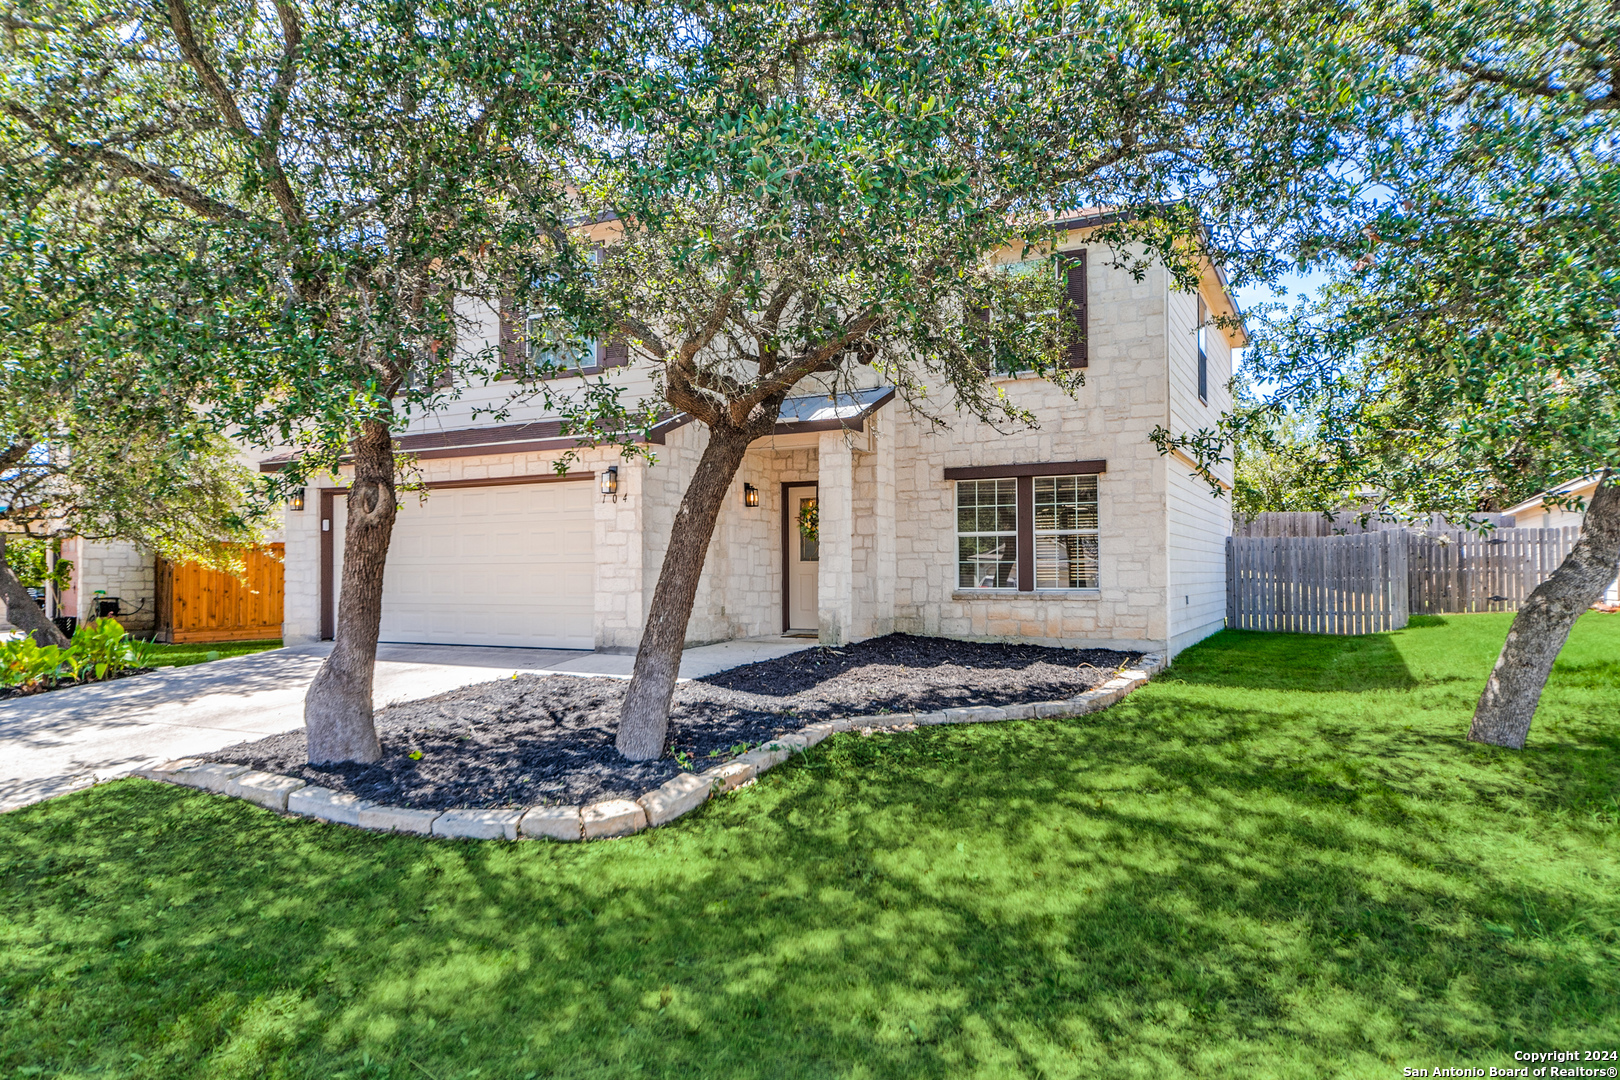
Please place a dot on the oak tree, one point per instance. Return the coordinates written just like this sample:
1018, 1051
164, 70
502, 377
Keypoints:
1466, 351
336, 182
797, 196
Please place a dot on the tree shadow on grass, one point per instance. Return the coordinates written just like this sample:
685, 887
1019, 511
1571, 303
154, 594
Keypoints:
1136, 894
1301, 662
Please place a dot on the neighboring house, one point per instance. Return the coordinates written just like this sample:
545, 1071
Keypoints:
104, 570
1077, 532
153, 598
1539, 513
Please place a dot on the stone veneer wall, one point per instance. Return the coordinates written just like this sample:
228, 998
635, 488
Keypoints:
1110, 417
740, 593
119, 569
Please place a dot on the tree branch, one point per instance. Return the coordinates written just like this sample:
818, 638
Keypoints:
264, 143
159, 180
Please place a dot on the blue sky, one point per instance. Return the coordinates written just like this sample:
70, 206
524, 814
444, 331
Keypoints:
1292, 286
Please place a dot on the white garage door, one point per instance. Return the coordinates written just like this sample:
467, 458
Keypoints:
509, 565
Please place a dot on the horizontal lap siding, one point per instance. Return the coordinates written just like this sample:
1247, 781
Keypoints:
1198, 525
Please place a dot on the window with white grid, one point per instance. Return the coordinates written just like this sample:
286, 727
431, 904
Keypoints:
549, 352
1065, 532
987, 534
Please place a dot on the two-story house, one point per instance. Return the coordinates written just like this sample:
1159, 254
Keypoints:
1076, 532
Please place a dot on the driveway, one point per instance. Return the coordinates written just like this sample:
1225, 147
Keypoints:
69, 739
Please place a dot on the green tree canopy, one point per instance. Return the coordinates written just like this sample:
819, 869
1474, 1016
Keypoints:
1464, 353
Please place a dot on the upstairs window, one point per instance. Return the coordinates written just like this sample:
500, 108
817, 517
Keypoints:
1070, 267
1203, 353
529, 349
547, 351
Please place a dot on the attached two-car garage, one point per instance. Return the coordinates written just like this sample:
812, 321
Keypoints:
505, 564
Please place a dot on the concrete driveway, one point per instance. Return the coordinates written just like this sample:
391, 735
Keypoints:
69, 739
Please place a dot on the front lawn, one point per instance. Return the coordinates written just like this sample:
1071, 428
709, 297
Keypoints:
199, 652
1279, 860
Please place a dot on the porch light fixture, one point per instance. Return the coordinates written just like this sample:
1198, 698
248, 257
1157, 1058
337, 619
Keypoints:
295, 501
750, 495
610, 482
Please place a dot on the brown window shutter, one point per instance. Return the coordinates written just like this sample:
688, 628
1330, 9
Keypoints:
616, 353
1074, 289
980, 316
511, 342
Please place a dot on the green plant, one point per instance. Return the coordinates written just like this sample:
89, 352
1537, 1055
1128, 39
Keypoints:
29, 558
1290, 864
28, 665
810, 521
101, 646
143, 654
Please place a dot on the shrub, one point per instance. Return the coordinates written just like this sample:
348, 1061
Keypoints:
28, 665
99, 650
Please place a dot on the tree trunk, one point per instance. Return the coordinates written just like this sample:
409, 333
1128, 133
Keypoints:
337, 709
1537, 635
21, 610
644, 723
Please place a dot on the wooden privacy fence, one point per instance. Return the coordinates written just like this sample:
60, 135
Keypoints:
195, 603
1317, 584
1495, 571
1361, 584
1343, 523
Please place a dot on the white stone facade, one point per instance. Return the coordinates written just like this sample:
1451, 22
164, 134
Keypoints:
888, 541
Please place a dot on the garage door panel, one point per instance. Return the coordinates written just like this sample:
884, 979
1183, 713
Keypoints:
500, 566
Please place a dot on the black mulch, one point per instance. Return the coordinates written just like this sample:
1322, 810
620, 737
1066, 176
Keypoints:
549, 739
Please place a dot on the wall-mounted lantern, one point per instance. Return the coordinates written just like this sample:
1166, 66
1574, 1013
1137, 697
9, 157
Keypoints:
295, 501
750, 495
610, 482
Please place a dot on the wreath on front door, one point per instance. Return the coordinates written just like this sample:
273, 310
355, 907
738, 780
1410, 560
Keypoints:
809, 522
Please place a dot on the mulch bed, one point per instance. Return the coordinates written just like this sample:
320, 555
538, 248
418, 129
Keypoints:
536, 740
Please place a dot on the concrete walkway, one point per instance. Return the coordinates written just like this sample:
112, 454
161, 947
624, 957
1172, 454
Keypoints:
69, 739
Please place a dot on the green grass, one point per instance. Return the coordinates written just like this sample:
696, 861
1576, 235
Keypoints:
1279, 860
189, 653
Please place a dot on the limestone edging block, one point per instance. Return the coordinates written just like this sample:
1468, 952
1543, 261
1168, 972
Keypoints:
208, 777
269, 790
327, 805
555, 822
675, 797
730, 776
478, 824
613, 817
398, 819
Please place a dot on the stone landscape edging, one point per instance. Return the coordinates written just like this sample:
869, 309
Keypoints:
610, 817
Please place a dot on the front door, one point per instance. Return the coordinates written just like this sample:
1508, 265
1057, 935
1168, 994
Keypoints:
802, 560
